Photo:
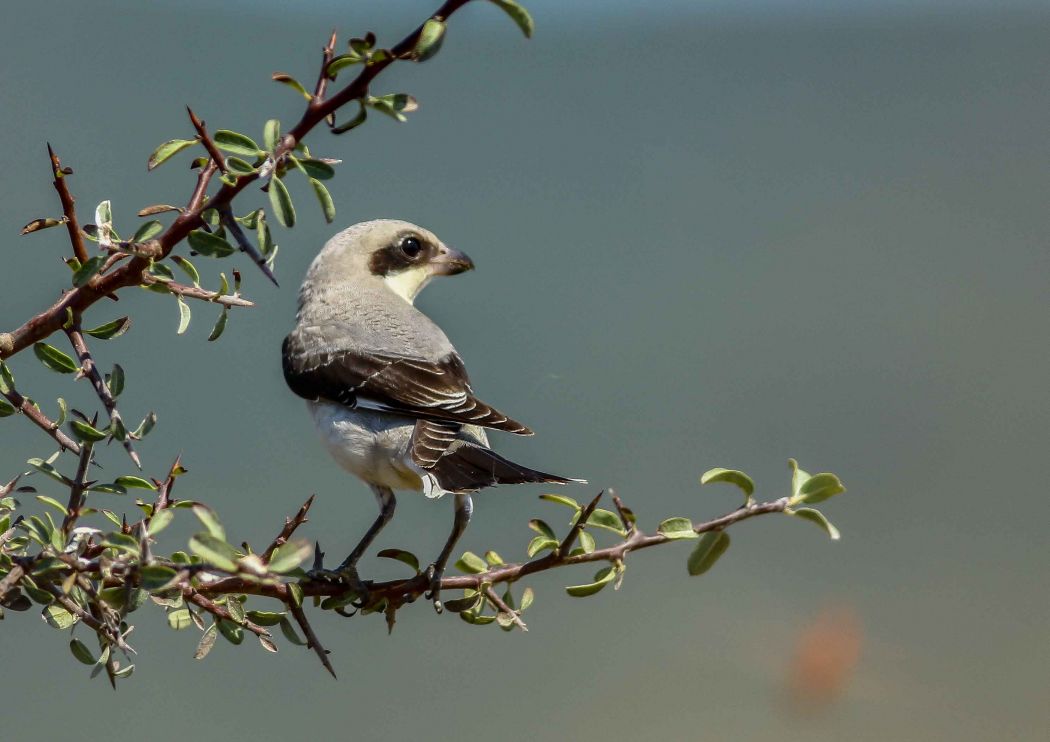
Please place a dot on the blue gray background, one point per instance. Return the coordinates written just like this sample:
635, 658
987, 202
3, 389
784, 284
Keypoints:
707, 235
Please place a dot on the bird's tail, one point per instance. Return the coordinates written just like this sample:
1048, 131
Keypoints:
467, 467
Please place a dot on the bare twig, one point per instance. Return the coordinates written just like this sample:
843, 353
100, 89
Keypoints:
290, 524
76, 490
581, 520
220, 612
226, 214
76, 239
206, 140
41, 420
502, 607
195, 292
11, 579
91, 372
312, 641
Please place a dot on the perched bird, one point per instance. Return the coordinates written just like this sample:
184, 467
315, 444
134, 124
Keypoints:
388, 393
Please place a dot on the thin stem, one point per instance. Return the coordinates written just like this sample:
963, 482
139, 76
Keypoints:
41, 420
76, 238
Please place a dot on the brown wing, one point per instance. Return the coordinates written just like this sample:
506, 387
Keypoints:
430, 441
435, 390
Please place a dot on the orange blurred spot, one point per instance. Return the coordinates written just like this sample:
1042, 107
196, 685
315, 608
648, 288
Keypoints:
826, 655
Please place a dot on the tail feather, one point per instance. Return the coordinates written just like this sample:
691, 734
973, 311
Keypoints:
467, 467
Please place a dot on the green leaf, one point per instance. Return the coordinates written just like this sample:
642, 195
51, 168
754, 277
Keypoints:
184, 315
147, 231
156, 576
494, 559
457, 605
81, 652
292, 83
353, 123
160, 520
400, 555
179, 619
608, 520
817, 517
122, 542
819, 488
317, 168
220, 325
115, 380
44, 223
711, 546
210, 521
87, 271
110, 330
239, 144
6, 408
430, 39
561, 500
675, 528
325, 199
798, 476
601, 579
586, 542
130, 481
394, 105
55, 359
167, 150
518, 14
237, 166
109, 489
230, 631
289, 556
281, 202
209, 244
84, 431
729, 476
49, 501
542, 528
271, 134
207, 642
58, 617
341, 62
147, 424
289, 633
45, 467
471, 563
7, 379
188, 268
540, 543
214, 551
265, 618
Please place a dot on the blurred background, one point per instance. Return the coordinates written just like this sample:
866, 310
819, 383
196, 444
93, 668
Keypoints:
707, 234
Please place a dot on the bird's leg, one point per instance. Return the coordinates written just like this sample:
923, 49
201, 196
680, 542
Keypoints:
464, 507
347, 570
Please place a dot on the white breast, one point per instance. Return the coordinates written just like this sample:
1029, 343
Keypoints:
369, 444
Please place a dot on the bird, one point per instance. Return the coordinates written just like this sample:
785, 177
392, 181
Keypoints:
388, 393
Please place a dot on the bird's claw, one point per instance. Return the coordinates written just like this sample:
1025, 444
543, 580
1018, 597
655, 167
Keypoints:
345, 575
433, 594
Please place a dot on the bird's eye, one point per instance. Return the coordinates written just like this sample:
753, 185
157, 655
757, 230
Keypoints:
411, 247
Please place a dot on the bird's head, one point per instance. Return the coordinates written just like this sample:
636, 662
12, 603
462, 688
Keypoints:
403, 256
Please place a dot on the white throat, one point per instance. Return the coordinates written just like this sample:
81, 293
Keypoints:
408, 284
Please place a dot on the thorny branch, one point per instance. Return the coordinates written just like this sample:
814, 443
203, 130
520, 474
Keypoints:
133, 272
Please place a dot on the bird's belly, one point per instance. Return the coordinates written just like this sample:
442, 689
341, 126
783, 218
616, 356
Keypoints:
370, 445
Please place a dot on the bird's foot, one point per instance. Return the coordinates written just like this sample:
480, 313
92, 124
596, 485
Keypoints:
434, 592
345, 575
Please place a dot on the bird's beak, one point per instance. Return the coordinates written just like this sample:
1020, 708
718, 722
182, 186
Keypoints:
450, 261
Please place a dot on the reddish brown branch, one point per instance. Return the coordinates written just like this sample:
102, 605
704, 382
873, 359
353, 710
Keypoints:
76, 490
311, 638
76, 238
290, 524
41, 420
206, 140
